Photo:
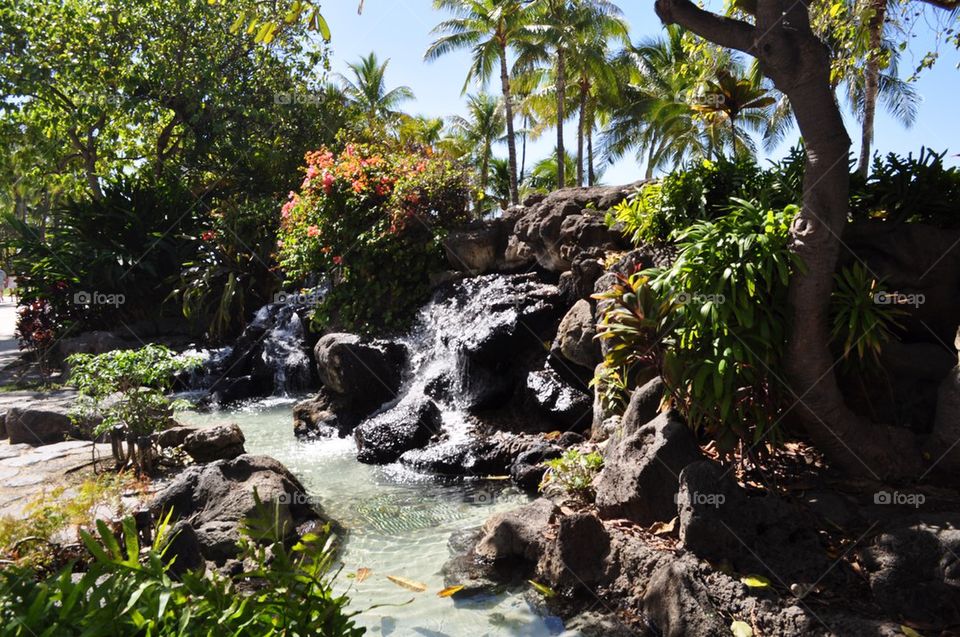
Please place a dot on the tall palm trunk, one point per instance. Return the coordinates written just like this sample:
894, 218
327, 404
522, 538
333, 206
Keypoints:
871, 85
561, 116
581, 129
484, 176
508, 111
591, 176
523, 160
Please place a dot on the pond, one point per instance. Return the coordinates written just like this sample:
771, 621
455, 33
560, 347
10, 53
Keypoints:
398, 523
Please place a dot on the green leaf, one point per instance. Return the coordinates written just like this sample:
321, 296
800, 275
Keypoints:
755, 581
741, 629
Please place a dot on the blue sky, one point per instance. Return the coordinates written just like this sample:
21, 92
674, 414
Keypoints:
400, 30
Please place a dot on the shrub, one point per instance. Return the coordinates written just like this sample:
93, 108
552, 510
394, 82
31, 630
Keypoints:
281, 590
372, 219
141, 378
860, 324
574, 471
908, 189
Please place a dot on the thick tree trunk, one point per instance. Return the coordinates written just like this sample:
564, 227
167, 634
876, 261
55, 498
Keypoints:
561, 116
508, 112
581, 129
871, 86
793, 57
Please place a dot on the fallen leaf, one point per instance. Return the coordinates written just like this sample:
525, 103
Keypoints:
363, 573
408, 584
741, 629
664, 528
543, 589
553, 435
755, 581
909, 632
450, 591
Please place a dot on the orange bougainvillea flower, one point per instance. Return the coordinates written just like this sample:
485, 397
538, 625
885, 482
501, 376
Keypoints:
313, 231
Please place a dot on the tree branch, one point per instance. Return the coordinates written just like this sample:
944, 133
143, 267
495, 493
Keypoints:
727, 32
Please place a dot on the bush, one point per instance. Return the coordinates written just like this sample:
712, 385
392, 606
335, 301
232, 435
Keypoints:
574, 471
372, 219
281, 590
901, 190
142, 379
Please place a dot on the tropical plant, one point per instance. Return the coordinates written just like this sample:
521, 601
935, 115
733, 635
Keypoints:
372, 219
127, 589
574, 471
736, 100
545, 173
482, 126
142, 379
489, 28
367, 91
863, 320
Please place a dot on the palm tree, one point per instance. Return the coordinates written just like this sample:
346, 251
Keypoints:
559, 24
489, 28
545, 173
483, 126
367, 90
419, 130
735, 98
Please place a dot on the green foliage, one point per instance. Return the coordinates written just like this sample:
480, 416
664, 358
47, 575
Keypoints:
129, 591
142, 377
574, 471
714, 323
861, 323
702, 191
372, 219
908, 189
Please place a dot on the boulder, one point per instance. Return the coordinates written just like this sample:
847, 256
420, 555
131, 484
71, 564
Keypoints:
234, 389
324, 415
914, 571
576, 340
527, 471
217, 498
93, 342
641, 470
679, 604
220, 442
562, 405
644, 404
477, 248
38, 425
720, 522
585, 269
577, 556
174, 436
517, 539
184, 549
386, 437
368, 372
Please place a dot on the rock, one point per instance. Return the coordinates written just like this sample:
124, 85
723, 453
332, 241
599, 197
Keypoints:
641, 470
585, 269
37, 426
217, 498
93, 342
596, 624
384, 438
644, 405
578, 553
185, 550
221, 442
367, 372
174, 436
234, 389
576, 339
914, 571
564, 406
946, 425
527, 472
515, 539
679, 605
324, 415
720, 522
477, 248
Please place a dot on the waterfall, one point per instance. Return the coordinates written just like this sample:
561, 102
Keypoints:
284, 348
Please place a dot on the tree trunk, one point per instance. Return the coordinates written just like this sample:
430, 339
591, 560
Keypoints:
508, 112
591, 176
581, 132
561, 116
523, 160
871, 85
798, 63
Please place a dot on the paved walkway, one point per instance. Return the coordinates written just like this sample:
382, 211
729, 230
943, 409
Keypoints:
9, 347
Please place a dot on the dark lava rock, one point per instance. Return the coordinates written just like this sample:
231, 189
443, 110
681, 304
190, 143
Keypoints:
644, 405
217, 498
174, 436
914, 570
576, 340
563, 405
719, 521
324, 415
38, 424
527, 472
578, 553
367, 372
513, 542
184, 549
234, 389
641, 470
385, 437
679, 605
221, 442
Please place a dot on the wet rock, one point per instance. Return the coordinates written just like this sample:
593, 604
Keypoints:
367, 372
216, 498
576, 340
563, 405
234, 389
221, 442
585, 269
527, 472
386, 437
720, 522
914, 571
640, 476
324, 415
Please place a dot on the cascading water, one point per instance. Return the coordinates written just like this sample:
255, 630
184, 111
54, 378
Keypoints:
283, 348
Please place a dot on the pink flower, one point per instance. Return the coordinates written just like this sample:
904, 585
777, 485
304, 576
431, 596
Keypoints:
287, 207
338, 259
327, 182
313, 231
312, 172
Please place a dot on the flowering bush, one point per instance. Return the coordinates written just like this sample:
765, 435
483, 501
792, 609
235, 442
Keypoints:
373, 219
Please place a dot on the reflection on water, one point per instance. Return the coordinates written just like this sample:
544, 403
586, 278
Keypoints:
398, 523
